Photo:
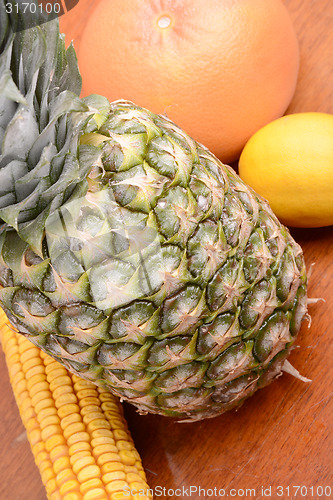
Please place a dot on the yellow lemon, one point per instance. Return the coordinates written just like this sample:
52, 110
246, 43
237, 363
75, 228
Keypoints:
290, 163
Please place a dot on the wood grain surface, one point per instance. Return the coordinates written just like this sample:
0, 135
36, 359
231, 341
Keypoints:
282, 436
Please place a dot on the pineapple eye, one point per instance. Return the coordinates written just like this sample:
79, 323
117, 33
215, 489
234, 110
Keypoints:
31, 258
96, 172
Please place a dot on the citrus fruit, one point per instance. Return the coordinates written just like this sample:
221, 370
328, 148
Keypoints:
220, 70
290, 163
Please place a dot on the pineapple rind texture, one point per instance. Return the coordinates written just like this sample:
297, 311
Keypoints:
158, 274
168, 281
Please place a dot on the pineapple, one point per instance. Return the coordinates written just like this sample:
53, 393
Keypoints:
129, 252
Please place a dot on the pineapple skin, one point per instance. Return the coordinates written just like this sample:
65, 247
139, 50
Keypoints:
168, 281
128, 252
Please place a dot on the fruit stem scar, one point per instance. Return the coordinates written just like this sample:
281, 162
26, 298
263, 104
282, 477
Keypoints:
164, 21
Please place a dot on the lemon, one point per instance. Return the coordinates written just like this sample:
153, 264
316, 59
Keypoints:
290, 163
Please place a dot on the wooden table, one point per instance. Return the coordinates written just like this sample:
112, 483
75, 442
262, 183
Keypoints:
282, 436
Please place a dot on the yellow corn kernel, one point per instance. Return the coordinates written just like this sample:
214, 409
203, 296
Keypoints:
77, 432
63, 380
78, 455
106, 396
91, 415
21, 386
70, 419
107, 457
70, 486
78, 437
79, 446
46, 358
35, 437
102, 440
100, 423
127, 457
29, 413
83, 462
47, 412
11, 348
116, 486
65, 399
68, 409
49, 431
90, 485
97, 433
27, 354
105, 448
35, 371
31, 364
65, 475
74, 428
14, 360
54, 441
112, 467
54, 371
115, 421
73, 495
85, 410
14, 369
89, 472
133, 477
42, 404
87, 393
124, 445
114, 476
89, 401
137, 467
47, 474
41, 396
55, 496
51, 487
48, 421
76, 379
25, 403
8, 341
142, 474
120, 434
58, 452
61, 464
41, 457
17, 377
37, 384
61, 390
38, 448
34, 382
96, 494
45, 465
31, 424
81, 384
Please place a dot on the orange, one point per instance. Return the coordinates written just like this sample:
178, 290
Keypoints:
220, 69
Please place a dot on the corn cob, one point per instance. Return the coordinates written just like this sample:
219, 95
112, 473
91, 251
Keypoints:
77, 432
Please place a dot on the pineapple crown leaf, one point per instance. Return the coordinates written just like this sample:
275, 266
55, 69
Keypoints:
41, 120
9, 90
